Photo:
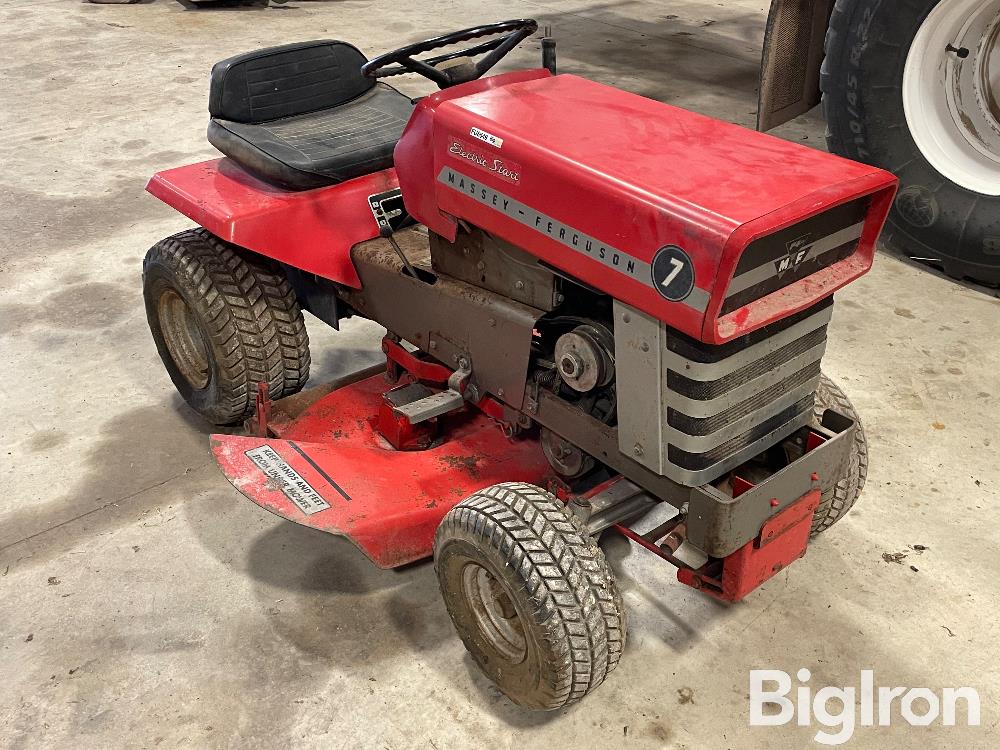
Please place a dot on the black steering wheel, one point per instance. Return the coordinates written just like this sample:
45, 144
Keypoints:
508, 34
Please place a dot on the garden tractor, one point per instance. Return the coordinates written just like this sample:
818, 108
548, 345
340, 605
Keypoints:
603, 314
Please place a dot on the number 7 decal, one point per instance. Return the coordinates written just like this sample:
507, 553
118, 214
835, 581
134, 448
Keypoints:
678, 266
673, 273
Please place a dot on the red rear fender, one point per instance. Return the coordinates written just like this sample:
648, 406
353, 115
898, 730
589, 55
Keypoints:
313, 230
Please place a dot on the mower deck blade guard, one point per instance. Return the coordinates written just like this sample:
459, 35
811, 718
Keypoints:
332, 471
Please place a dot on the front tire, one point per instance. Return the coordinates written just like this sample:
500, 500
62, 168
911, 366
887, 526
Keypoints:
947, 155
530, 594
839, 496
224, 320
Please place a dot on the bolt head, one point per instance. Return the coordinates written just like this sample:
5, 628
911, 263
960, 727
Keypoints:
519, 285
637, 449
570, 366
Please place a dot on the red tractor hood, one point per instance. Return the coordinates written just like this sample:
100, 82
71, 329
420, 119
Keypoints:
713, 228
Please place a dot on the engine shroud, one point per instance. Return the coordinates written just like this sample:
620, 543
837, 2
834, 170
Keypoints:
712, 228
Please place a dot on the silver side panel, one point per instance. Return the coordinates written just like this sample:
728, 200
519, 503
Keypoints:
640, 342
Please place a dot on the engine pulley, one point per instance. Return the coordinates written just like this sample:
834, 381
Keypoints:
569, 461
585, 357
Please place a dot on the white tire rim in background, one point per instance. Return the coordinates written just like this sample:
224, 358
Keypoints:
951, 92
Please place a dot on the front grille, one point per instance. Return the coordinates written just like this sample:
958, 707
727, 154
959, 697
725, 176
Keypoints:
725, 404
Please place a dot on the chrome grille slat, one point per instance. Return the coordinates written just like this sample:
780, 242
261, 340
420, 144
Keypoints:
696, 407
722, 409
753, 410
731, 454
715, 368
806, 349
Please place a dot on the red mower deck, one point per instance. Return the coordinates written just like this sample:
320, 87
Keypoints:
331, 470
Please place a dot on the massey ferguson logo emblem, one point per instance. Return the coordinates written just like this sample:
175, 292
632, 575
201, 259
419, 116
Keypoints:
798, 251
503, 168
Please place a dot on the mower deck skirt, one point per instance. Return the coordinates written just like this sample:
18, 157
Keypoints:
332, 471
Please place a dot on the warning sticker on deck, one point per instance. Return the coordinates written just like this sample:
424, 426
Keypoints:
292, 485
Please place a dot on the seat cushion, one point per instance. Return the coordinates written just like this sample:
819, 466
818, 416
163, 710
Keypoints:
321, 147
293, 79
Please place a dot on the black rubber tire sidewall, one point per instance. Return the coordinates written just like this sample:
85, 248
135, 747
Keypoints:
212, 400
559, 581
525, 679
247, 313
866, 49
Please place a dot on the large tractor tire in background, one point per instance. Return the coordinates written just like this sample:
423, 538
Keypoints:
914, 87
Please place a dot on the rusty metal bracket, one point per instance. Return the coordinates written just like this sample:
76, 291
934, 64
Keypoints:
718, 523
446, 317
262, 410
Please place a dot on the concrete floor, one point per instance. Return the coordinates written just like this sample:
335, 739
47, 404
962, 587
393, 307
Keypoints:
147, 604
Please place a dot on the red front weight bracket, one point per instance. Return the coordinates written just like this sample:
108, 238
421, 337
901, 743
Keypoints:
783, 540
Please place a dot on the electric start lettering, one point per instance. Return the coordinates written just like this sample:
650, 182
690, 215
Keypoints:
498, 166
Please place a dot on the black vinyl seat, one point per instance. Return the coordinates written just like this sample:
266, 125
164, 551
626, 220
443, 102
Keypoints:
302, 116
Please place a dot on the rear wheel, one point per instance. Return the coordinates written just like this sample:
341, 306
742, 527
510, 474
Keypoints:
914, 88
223, 320
840, 496
530, 593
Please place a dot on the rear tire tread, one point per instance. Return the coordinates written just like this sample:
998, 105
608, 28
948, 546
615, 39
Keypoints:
250, 312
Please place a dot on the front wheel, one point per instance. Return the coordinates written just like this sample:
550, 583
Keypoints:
915, 88
840, 493
530, 594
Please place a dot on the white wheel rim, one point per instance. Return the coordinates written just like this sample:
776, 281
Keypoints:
951, 92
